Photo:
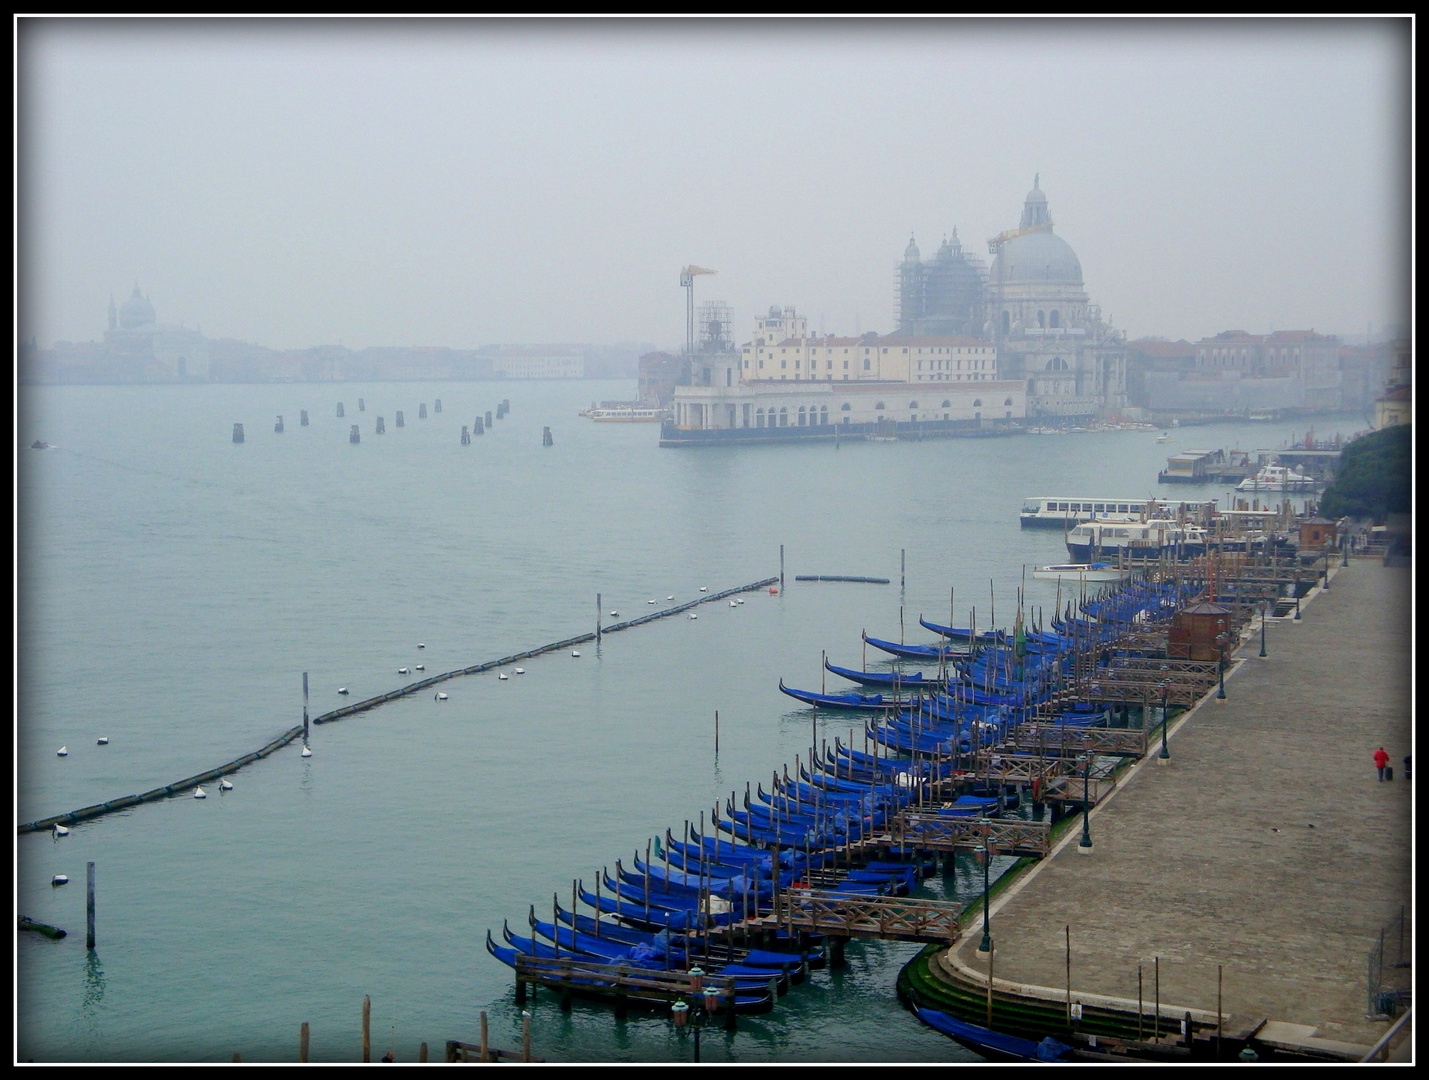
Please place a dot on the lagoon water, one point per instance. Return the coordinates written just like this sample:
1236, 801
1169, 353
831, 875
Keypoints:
174, 587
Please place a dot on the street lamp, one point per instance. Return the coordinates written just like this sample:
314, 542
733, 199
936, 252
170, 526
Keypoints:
1345, 550
1297, 595
984, 856
1084, 846
1264, 614
1326, 586
1164, 758
1221, 640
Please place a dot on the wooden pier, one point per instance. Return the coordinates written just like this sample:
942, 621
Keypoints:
888, 918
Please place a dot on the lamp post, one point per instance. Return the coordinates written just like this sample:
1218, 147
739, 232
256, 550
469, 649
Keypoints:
1345, 550
1164, 758
1326, 586
985, 857
1297, 595
1221, 640
1264, 614
1084, 846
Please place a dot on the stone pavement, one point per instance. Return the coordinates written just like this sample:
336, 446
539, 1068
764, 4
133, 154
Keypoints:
1267, 846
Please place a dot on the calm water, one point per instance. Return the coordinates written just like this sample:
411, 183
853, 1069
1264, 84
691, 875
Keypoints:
174, 587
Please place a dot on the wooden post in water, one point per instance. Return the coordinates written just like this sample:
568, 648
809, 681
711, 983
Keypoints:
422, 1054
381, 428
89, 906
366, 1028
597, 618
238, 433
525, 1036
303, 1043
485, 1054
305, 708
716, 731
902, 569
781, 555
354, 436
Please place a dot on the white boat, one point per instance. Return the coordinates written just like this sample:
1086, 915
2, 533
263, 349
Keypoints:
1278, 478
637, 414
1080, 572
1063, 512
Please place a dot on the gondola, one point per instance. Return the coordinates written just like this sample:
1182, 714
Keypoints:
930, 654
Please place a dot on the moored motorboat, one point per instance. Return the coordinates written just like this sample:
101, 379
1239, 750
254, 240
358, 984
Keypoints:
1278, 478
1097, 571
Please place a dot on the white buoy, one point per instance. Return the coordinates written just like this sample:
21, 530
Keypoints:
307, 752
733, 604
652, 601
60, 830
575, 652
503, 676
739, 600
615, 614
199, 793
421, 667
224, 785
63, 751
693, 615
342, 690
103, 742
669, 598
520, 671
440, 696
703, 589
403, 671
421, 645
59, 879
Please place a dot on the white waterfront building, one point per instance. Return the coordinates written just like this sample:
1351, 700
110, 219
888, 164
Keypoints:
783, 378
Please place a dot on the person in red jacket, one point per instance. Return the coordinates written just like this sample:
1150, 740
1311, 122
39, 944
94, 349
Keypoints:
1381, 761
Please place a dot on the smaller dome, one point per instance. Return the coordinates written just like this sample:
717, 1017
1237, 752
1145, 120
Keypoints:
774, 311
136, 311
911, 253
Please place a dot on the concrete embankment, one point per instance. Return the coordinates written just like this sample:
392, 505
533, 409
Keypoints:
1267, 848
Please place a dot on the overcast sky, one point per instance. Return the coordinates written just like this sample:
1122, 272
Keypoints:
295, 183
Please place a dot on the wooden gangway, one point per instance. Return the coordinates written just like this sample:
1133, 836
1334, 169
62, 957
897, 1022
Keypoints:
1001, 836
889, 918
1068, 739
627, 985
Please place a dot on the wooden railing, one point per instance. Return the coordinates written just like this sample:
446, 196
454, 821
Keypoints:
1002, 836
892, 918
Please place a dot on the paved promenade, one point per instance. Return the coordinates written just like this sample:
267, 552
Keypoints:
1213, 859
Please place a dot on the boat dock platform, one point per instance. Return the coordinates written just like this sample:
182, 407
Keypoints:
1256, 878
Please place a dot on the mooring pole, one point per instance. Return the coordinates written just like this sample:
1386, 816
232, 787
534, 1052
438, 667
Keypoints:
902, 569
305, 708
366, 1028
89, 906
716, 731
303, 1042
781, 568
597, 618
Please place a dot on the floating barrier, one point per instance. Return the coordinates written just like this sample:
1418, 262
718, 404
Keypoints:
187, 785
834, 577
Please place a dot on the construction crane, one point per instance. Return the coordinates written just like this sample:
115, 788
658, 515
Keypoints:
687, 282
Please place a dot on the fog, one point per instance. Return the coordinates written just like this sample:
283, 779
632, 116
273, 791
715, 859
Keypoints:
435, 182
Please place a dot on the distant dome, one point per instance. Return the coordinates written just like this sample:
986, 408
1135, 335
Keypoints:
136, 311
1039, 258
911, 253
774, 311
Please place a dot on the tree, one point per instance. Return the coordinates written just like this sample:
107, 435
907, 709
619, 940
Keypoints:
1374, 477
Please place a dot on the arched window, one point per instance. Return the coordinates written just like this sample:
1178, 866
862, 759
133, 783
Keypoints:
977, 402
1008, 401
1041, 319
844, 407
947, 404
803, 419
1056, 319
784, 417
1056, 364
759, 418
912, 405
878, 406
824, 414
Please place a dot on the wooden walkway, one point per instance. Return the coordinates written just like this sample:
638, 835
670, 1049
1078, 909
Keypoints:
889, 918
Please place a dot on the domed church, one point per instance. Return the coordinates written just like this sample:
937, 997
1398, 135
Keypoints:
1046, 331
146, 350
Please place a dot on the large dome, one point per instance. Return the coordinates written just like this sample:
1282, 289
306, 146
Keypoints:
1037, 258
137, 311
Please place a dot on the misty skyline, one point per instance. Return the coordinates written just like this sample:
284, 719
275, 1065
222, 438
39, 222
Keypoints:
432, 182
